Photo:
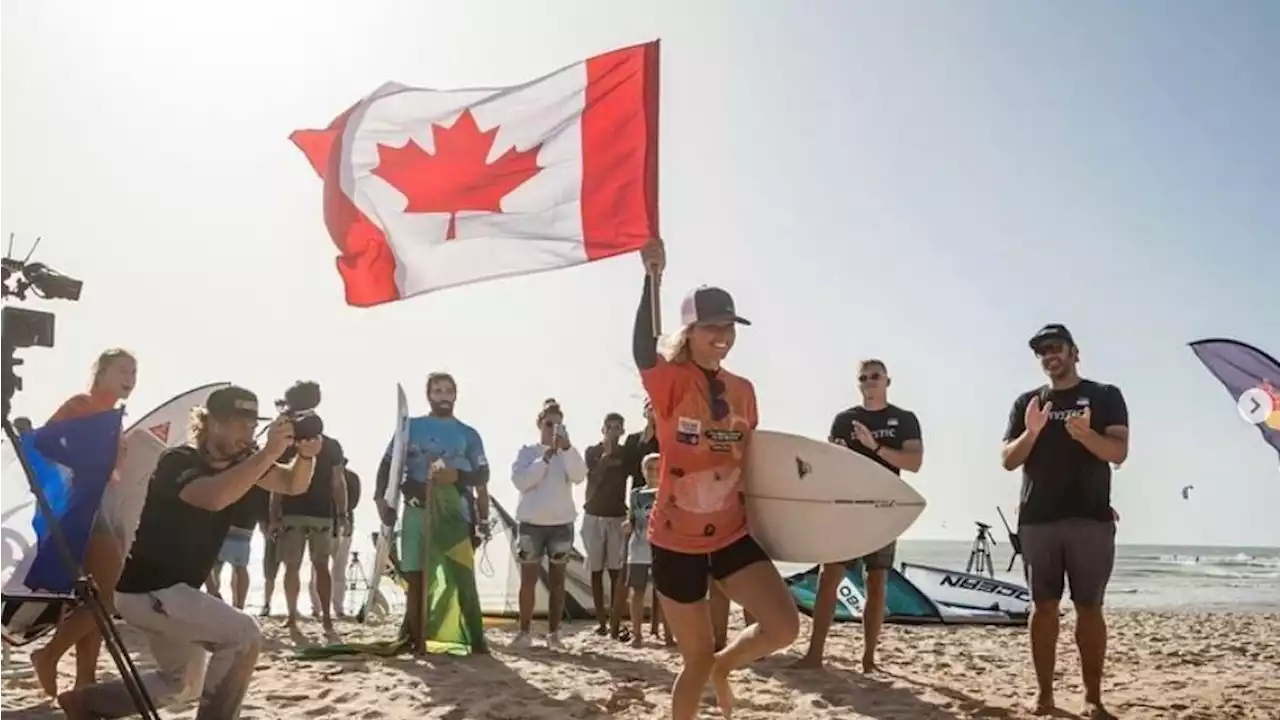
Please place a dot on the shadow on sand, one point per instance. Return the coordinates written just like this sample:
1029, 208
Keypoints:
858, 693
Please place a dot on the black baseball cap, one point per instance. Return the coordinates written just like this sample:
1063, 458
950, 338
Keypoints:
1052, 331
709, 305
233, 400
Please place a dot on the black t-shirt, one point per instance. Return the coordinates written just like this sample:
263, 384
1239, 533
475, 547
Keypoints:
634, 451
607, 482
176, 542
1061, 479
891, 427
317, 501
250, 510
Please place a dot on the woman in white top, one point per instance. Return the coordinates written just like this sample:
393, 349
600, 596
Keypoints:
545, 474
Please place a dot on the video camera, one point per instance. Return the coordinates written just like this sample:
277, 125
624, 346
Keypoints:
29, 328
299, 405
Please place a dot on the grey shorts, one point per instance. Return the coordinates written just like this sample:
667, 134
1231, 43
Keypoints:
881, 559
637, 575
603, 541
535, 542
1081, 551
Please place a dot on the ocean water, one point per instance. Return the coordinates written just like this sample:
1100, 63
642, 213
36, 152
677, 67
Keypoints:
1153, 577
1183, 578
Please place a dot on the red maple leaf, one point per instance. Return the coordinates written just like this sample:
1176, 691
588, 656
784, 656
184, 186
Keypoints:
457, 177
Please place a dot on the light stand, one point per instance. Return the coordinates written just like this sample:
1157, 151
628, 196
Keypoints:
1014, 541
85, 589
980, 554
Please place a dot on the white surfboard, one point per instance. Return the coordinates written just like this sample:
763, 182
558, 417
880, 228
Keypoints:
165, 427
382, 551
810, 501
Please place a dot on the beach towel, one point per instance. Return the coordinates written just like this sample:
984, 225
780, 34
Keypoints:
455, 625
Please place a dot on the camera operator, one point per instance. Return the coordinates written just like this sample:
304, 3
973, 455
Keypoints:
184, 521
307, 521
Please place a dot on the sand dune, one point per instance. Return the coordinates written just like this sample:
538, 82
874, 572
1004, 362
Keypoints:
1161, 666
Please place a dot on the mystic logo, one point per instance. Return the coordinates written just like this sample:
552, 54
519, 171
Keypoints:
990, 587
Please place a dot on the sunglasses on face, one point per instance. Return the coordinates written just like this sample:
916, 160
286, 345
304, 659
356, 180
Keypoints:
868, 377
719, 406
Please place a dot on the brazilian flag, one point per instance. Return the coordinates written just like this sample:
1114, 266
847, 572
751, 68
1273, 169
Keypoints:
455, 625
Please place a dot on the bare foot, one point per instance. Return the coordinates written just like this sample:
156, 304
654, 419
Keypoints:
869, 663
637, 641
724, 690
1095, 711
46, 669
1044, 706
73, 706
808, 662
291, 622
327, 624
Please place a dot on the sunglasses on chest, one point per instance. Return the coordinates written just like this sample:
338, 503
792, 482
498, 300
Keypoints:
719, 405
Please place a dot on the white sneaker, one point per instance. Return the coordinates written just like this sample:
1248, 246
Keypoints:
553, 641
522, 641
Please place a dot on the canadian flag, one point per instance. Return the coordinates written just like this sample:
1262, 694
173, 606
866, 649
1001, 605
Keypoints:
431, 189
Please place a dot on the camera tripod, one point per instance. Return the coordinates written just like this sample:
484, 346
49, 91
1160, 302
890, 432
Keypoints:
85, 589
980, 554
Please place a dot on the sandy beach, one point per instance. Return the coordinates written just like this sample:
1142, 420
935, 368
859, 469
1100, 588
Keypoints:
1160, 666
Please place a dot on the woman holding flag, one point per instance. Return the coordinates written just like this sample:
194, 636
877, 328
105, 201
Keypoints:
705, 417
114, 376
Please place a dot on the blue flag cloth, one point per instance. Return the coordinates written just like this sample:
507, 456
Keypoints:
71, 461
1241, 367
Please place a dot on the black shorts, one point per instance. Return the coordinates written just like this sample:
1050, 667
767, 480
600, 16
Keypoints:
685, 578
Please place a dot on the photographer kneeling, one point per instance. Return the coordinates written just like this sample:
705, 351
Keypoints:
184, 521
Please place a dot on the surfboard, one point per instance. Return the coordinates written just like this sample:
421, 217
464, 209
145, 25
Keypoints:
810, 501
164, 427
382, 550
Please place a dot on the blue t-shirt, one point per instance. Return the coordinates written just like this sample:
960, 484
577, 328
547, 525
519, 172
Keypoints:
434, 438
642, 500
641, 506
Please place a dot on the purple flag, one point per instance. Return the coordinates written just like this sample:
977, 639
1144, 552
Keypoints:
1241, 367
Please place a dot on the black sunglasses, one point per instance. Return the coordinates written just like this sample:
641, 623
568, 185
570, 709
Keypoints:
719, 406
869, 376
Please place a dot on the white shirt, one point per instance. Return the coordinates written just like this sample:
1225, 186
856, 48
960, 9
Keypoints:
546, 486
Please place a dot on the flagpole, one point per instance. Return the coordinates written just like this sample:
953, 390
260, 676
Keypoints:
424, 597
655, 303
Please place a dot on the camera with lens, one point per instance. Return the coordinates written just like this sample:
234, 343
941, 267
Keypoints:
299, 405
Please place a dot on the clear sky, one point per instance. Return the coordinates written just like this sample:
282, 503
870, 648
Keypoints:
922, 182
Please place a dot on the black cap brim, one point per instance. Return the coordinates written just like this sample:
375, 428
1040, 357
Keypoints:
1043, 337
723, 319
